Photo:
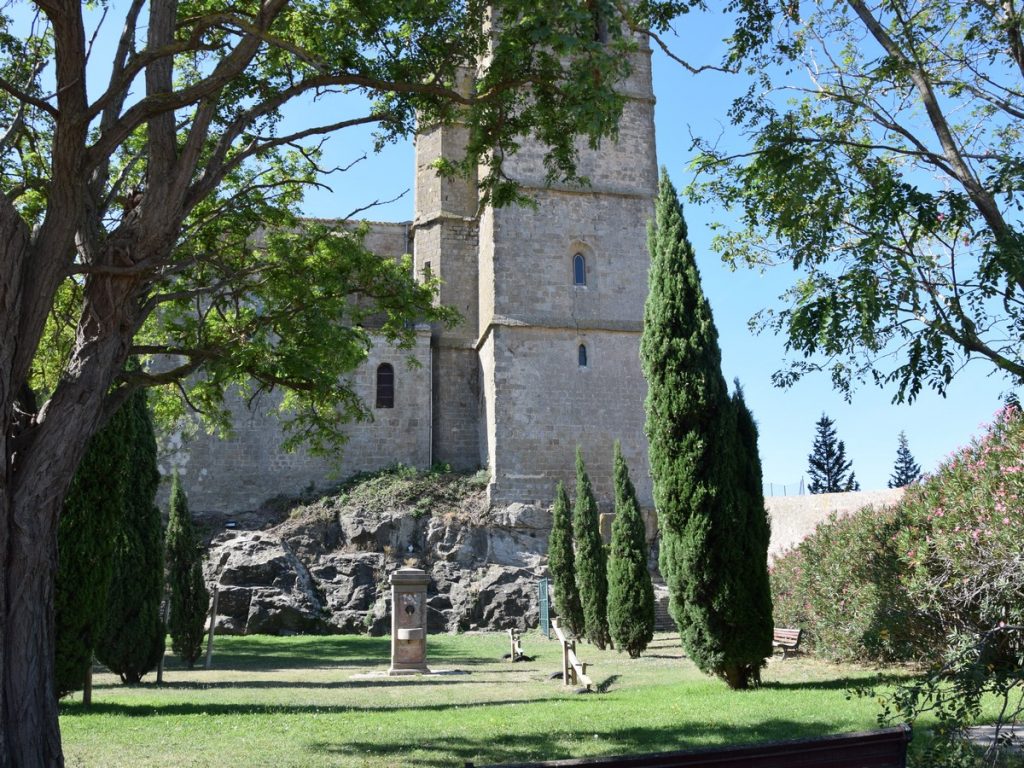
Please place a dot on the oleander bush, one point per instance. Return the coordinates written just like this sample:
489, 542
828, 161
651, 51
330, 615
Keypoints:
842, 585
898, 583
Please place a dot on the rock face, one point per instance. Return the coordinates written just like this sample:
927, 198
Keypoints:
325, 569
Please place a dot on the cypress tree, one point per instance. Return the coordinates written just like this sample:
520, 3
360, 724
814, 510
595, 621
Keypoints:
691, 426
591, 560
752, 586
829, 469
132, 641
630, 593
906, 470
93, 508
561, 563
189, 598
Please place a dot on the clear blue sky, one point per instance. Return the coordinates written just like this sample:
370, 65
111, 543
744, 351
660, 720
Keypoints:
869, 425
697, 104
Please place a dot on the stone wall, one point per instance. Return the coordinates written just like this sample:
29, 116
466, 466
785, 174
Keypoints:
456, 404
241, 472
542, 404
795, 517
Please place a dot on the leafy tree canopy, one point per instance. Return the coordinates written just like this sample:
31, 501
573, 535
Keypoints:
884, 163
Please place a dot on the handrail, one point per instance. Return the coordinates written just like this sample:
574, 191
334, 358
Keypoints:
574, 671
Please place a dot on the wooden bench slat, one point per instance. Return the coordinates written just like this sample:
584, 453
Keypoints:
786, 639
885, 748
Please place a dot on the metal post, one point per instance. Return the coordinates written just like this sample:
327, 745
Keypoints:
213, 624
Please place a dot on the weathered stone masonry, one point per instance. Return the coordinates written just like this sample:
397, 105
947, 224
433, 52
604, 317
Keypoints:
508, 388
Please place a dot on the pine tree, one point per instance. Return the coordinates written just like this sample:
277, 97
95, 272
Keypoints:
829, 469
561, 564
132, 641
591, 560
93, 508
691, 426
906, 470
189, 598
630, 593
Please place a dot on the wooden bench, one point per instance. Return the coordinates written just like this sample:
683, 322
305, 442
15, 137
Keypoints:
872, 749
786, 639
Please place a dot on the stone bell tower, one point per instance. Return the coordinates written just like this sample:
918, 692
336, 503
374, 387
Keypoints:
553, 297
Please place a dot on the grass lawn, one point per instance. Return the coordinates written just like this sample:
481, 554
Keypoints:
300, 701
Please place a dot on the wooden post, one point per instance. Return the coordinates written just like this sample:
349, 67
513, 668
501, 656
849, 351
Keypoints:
572, 669
213, 624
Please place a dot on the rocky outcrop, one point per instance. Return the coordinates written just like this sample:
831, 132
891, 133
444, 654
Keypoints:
325, 569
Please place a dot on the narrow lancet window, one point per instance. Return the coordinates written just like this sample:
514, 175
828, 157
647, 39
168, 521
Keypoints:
385, 386
582, 355
579, 269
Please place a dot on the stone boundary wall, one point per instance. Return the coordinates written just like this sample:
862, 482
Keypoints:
795, 517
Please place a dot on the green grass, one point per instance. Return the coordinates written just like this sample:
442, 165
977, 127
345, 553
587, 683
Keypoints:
299, 702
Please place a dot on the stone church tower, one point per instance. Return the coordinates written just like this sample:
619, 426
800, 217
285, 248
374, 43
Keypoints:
547, 355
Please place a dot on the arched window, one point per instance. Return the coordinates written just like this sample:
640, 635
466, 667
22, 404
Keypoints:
582, 355
579, 269
385, 386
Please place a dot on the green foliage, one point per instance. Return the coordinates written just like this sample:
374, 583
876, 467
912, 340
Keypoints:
829, 469
943, 563
132, 640
591, 559
189, 599
562, 565
962, 543
691, 426
94, 509
751, 537
630, 592
288, 314
906, 470
843, 586
890, 185
955, 692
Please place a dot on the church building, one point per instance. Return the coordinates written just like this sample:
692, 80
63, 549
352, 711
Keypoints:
545, 359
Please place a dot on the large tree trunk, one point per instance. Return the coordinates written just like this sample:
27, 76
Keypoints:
31, 729
40, 459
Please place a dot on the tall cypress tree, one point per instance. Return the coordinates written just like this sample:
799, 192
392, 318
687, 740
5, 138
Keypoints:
752, 586
828, 468
691, 426
591, 560
132, 641
561, 563
630, 592
906, 470
93, 509
189, 598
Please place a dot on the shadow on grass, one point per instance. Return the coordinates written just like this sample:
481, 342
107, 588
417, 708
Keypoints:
375, 682
73, 709
837, 683
255, 652
561, 742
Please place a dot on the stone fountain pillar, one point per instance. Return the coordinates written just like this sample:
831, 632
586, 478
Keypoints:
409, 622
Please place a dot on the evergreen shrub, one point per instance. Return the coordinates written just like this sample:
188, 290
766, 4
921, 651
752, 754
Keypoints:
189, 598
562, 565
630, 592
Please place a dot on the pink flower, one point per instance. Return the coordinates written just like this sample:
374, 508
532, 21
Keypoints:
1006, 521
